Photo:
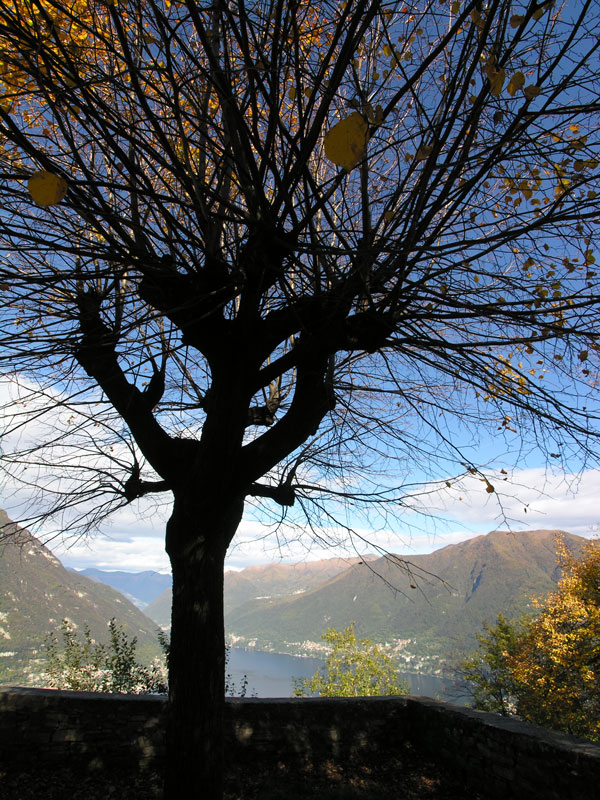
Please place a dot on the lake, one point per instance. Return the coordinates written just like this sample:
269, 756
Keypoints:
271, 674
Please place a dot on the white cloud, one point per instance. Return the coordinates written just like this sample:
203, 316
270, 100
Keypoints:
135, 540
526, 499
137, 554
251, 547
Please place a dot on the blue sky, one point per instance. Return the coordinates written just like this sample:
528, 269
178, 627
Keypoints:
530, 497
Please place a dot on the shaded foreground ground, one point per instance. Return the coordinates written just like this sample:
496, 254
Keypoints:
406, 776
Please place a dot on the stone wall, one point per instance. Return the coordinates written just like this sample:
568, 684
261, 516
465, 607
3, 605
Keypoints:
494, 756
502, 756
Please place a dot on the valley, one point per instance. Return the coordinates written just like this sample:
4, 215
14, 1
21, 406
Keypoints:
37, 593
422, 608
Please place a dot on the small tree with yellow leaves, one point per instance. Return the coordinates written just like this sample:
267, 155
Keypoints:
558, 663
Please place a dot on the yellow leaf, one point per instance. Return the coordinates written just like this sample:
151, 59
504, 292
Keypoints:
524, 187
489, 488
478, 19
46, 188
497, 82
423, 152
455, 7
517, 81
516, 20
346, 143
537, 14
531, 91
496, 77
292, 93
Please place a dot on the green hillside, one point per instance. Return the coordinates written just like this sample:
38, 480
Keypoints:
437, 601
286, 608
159, 610
270, 581
37, 592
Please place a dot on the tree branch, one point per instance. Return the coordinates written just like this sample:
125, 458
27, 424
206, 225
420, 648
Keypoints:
313, 399
283, 494
97, 355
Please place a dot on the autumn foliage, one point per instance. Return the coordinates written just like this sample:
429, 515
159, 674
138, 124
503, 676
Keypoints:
546, 668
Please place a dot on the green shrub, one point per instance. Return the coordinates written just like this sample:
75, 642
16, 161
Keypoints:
354, 668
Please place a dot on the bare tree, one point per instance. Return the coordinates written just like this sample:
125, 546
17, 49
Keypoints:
263, 250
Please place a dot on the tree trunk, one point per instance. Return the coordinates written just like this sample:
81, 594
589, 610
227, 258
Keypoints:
198, 535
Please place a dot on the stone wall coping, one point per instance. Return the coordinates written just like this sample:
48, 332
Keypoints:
33, 691
511, 724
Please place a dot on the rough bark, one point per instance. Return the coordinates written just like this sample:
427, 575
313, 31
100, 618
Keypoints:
198, 534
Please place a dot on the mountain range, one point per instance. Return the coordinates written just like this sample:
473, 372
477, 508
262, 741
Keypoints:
267, 581
37, 592
423, 606
138, 587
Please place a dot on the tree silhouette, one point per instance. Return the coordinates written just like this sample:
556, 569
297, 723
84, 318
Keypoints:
263, 250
